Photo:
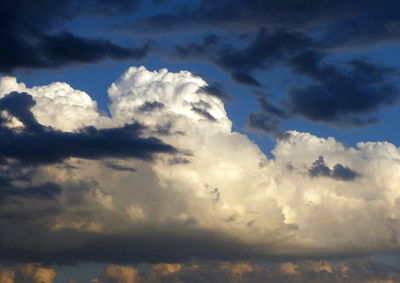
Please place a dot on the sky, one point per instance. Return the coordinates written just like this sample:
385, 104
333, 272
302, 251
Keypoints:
199, 141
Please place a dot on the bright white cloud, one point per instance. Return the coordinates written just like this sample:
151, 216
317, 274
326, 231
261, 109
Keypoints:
58, 104
221, 181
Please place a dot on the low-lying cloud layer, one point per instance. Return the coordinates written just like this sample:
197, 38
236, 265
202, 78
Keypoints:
366, 270
207, 192
27, 273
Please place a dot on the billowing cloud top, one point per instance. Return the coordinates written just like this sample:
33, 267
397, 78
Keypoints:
197, 190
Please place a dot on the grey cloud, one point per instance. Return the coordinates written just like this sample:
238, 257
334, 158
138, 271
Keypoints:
268, 120
342, 23
163, 244
264, 123
201, 109
178, 160
262, 52
337, 94
245, 79
46, 145
32, 36
118, 167
368, 270
339, 172
151, 106
16, 183
216, 90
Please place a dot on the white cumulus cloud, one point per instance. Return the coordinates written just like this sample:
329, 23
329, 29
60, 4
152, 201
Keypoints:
220, 181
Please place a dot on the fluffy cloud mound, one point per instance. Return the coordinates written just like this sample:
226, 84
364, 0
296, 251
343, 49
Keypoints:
119, 274
362, 270
27, 273
217, 197
247, 194
57, 105
160, 97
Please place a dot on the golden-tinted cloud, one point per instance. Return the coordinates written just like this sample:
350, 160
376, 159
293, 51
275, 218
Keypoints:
216, 196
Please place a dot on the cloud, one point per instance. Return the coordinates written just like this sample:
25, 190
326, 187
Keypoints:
150, 106
203, 112
262, 52
336, 94
350, 23
27, 273
377, 24
218, 197
341, 94
59, 50
339, 172
369, 270
56, 101
108, 7
245, 79
119, 274
216, 90
359, 270
38, 144
32, 37
268, 120
260, 122
243, 15
119, 167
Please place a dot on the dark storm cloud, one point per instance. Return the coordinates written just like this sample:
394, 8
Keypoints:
341, 94
339, 172
15, 182
268, 120
31, 36
204, 113
108, 7
19, 105
149, 244
215, 89
319, 168
201, 108
245, 79
31, 50
151, 106
353, 22
267, 48
264, 123
337, 93
269, 108
197, 49
377, 22
261, 53
118, 167
39, 144
45, 191
247, 14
